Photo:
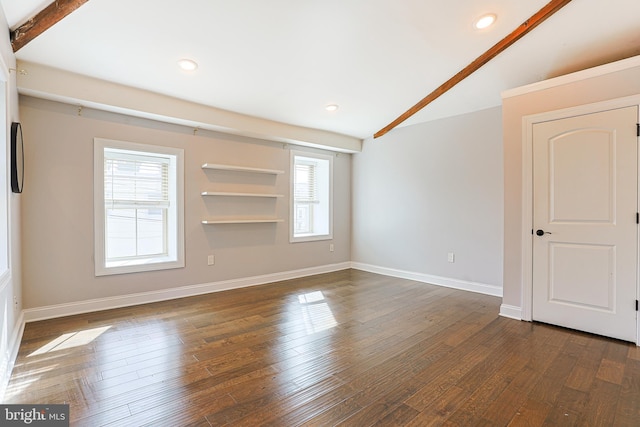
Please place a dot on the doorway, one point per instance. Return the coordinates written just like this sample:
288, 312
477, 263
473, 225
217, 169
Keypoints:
585, 231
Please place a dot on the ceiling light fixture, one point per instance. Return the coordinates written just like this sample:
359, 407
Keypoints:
332, 107
485, 21
188, 64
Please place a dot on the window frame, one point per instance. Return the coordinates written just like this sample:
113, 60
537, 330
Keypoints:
293, 238
175, 221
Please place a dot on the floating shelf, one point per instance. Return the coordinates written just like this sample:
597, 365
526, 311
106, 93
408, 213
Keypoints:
235, 168
228, 194
241, 221
241, 169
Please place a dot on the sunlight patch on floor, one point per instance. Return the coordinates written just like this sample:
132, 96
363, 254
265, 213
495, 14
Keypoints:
70, 340
316, 313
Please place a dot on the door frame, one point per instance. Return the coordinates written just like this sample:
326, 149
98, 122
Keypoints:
526, 302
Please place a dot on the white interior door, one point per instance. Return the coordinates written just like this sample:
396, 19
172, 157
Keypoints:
585, 243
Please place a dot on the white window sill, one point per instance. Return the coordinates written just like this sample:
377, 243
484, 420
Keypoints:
137, 266
310, 238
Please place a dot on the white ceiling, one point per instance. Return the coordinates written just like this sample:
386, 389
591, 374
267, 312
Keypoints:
284, 60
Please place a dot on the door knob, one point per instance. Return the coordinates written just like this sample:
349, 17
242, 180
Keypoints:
541, 232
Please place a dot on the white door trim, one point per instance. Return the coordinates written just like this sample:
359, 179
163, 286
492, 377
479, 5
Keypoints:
526, 302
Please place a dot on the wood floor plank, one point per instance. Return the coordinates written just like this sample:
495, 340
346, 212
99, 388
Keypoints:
532, 414
401, 416
628, 411
382, 389
554, 375
433, 389
300, 406
505, 407
109, 416
567, 409
488, 390
602, 403
440, 409
347, 348
616, 351
180, 412
611, 371
582, 377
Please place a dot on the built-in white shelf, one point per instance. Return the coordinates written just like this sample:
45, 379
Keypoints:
242, 221
241, 169
229, 194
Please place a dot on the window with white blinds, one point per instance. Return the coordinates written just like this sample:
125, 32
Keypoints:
311, 183
136, 202
140, 223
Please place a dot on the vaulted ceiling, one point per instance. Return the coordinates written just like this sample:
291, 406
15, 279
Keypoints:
286, 60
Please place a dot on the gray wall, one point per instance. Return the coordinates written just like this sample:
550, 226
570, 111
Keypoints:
58, 207
425, 190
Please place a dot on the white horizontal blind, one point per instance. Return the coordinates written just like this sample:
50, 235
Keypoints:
135, 181
305, 189
305, 194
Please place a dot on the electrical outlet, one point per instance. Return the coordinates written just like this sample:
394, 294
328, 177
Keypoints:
15, 301
211, 260
451, 257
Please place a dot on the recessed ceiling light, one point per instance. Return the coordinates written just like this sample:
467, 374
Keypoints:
485, 21
332, 107
188, 64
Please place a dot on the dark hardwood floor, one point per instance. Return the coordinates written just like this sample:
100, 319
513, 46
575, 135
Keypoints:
347, 348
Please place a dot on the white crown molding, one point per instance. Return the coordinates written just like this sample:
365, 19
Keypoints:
600, 70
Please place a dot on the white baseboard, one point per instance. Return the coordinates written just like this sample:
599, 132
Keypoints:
14, 346
511, 311
68, 309
481, 288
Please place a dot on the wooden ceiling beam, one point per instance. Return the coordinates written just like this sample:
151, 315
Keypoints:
44, 20
531, 23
